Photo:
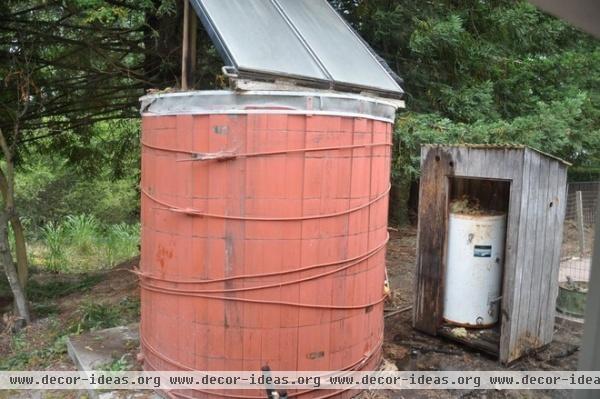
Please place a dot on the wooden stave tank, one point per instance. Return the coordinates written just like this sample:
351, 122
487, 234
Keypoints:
334, 229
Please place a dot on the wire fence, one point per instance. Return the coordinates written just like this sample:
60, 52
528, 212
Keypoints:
589, 195
582, 204
576, 251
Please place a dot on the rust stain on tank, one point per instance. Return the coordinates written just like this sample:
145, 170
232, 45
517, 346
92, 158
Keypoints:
163, 254
276, 254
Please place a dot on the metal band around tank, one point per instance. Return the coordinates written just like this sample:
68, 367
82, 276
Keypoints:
270, 102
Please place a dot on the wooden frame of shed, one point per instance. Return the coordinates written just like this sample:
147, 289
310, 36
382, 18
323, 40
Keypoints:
531, 187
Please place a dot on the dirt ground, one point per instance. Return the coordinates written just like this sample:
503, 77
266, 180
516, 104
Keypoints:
406, 348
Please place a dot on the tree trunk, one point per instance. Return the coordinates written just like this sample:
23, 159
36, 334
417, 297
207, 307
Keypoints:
20, 243
8, 215
10, 269
21, 250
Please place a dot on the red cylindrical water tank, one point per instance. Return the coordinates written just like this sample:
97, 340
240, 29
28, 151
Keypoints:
264, 224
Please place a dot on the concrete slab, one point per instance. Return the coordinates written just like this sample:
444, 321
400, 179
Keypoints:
96, 349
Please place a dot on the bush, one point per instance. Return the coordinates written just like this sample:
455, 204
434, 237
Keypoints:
54, 240
49, 190
82, 243
97, 316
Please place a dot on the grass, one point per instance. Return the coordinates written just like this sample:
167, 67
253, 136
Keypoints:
82, 243
100, 315
24, 358
96, 316
31, 351
74, 251
120, 364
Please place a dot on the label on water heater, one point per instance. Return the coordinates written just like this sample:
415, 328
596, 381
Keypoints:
483, 251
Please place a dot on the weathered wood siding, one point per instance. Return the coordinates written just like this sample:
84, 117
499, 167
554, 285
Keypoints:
436, 166
543, 205
536, 207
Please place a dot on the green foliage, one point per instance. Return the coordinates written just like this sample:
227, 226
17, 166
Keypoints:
82, 243
24, 358
98, 176
53, 238
82, 231
121, 241
97, 316
40, 348
100, 315
120, 364
486, 72
584, 173
561, 128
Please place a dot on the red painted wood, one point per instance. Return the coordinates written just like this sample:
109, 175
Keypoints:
192, 330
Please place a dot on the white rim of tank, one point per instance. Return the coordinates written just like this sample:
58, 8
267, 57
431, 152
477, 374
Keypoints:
229, 102
478, 217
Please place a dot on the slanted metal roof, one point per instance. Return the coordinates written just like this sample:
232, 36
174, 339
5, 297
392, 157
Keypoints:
303, 40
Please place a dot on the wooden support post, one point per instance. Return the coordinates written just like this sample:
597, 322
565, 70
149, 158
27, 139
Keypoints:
185, 46
193, 50
580, 224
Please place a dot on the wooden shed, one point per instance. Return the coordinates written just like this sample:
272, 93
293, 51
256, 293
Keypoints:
530, 187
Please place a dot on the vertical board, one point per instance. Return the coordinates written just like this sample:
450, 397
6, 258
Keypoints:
518, 333
552, 239
539, 216
540, 235
436, 166
511, 276
561, 204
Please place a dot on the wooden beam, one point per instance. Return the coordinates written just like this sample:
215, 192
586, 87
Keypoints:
185, 46
193, 50
580, 224
436, 167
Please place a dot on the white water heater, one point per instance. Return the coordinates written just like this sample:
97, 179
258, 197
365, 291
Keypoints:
474, 269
